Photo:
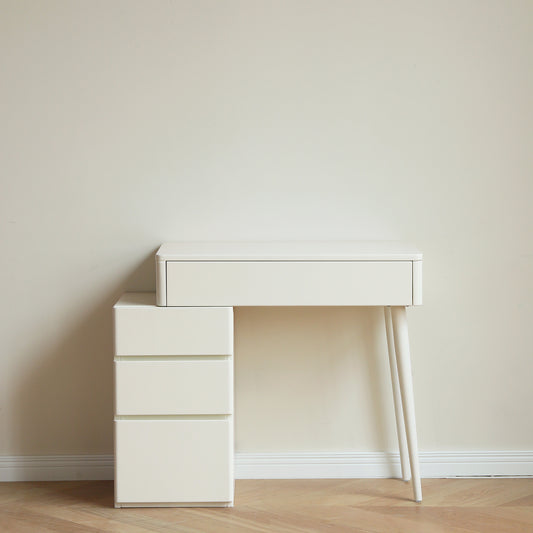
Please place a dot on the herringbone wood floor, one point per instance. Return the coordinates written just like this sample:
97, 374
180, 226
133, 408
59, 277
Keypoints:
450, 506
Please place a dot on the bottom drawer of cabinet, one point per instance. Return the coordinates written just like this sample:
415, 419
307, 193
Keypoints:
173, 461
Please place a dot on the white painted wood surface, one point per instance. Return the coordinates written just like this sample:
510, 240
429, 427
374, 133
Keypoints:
417, 282
289, 251
145, 329
199, 387
173, 461
278, 283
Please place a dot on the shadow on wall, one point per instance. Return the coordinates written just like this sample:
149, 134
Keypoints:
64, 404
312, 379
307, 379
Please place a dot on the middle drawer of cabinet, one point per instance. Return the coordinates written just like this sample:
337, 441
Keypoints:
174, 387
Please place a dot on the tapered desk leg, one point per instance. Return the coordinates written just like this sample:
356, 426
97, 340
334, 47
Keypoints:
400, 424
403, 360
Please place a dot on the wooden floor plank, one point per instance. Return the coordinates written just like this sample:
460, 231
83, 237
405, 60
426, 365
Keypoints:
281, 506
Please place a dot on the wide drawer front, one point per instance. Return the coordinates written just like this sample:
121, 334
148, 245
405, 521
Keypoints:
178, 387
242, 283
167, 461
152, 330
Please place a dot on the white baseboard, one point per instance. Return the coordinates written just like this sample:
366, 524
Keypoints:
303, 465
380, 465
56, 467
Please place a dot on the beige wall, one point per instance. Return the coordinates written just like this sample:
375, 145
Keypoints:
128, 123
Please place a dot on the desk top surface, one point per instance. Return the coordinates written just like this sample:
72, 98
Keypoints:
289, 251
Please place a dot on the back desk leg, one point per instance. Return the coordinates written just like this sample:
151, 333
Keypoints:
400, 424
403, 359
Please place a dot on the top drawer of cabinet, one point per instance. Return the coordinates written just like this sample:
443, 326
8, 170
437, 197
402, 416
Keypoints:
142, 328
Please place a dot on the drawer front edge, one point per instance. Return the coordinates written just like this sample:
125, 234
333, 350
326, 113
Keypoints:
171, 461
172, 331
174, 387
289, 283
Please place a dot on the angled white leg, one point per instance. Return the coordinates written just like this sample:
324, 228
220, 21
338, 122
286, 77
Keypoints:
403, 360
400, 424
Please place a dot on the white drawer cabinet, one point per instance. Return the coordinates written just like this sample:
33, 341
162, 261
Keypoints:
173, 404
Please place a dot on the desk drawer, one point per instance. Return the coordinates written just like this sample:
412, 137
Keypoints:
169, 461
177, 387
151, 330
231, 283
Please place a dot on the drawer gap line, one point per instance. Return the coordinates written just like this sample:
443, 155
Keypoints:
172, 357
172, 417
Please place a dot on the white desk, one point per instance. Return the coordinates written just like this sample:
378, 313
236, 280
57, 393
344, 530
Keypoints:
174, 360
